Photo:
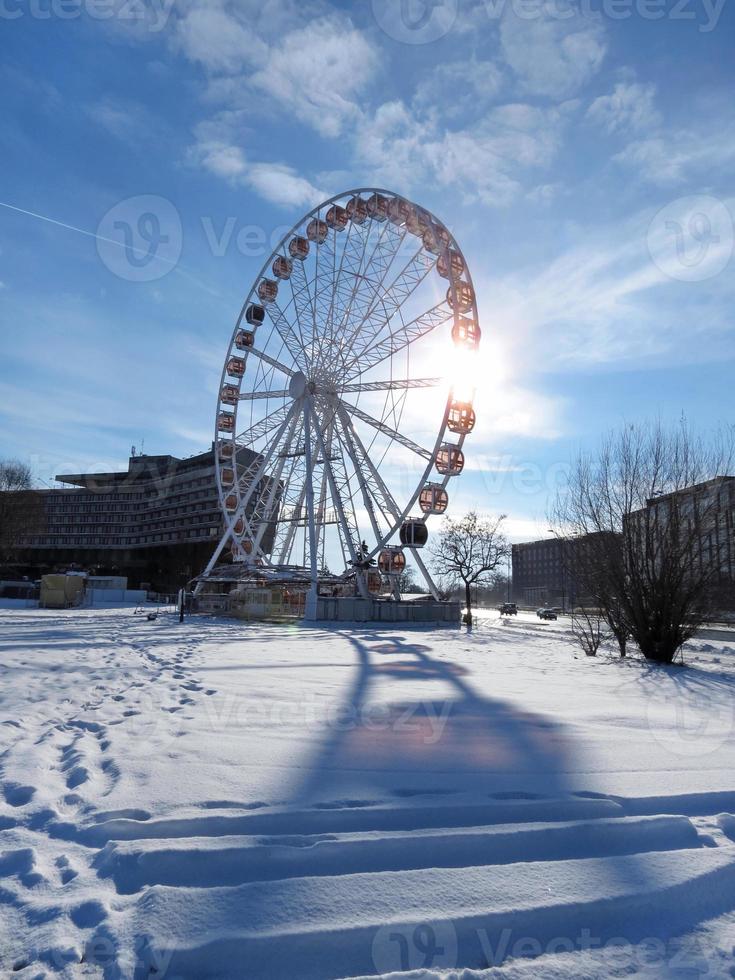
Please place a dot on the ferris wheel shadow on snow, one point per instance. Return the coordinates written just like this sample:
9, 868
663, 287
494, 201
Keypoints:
457, 759
452, 740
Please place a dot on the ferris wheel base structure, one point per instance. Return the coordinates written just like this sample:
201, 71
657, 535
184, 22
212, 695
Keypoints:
283, 594
359, 610
333, 445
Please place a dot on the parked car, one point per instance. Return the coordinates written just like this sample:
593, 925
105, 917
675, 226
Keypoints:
508, 609
546, 614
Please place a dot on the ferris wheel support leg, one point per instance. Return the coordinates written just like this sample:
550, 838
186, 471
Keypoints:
425, 572
310, 610
359, 575
212, 561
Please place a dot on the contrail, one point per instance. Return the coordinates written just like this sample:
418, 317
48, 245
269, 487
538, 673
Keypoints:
111, 241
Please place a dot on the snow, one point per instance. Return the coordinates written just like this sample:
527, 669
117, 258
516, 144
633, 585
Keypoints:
219, 799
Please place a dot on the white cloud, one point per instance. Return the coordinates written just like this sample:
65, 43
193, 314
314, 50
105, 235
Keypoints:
123, 120
656, 160
217, 40
630, 106
544, 193
275, 182
486, 161
282, 185
551, 56
316, 73
673, 156
604, 301
459, 88
222, 159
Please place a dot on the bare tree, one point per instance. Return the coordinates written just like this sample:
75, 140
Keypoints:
406, 581
641, 519
21, 512
589, 629
470, 550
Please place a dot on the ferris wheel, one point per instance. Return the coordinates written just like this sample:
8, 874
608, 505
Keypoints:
335, 441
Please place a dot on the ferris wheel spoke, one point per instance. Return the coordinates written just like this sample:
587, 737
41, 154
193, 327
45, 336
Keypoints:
338, 468
262, 517
353, 278
249, 480
369, 495
292, 341
252, 482
406, 383
322, 516
370, 281
386, 256
252, 396
391, 506
389, 299
323, 292
248, 437
383, 495
404, 335
386, 430
303, 304
272, 361
340, 284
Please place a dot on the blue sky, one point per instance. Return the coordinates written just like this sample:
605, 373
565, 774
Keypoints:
582, 155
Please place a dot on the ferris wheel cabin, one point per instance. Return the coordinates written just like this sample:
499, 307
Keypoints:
392, 561
433, 499
414, 533
298, 248
449, 460
466, 333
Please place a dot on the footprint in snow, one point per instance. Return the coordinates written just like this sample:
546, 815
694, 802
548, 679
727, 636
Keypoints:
66, 872
88, 914
17, 795
76, 777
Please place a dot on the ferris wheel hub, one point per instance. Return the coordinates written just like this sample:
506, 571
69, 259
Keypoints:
299, 385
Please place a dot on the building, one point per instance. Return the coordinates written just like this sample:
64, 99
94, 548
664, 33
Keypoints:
544, 571
156, 522
539, 573
700, 522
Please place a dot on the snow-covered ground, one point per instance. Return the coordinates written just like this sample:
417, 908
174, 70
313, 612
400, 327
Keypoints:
213, 799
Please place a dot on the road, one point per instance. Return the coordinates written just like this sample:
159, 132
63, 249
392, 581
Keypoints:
713, 631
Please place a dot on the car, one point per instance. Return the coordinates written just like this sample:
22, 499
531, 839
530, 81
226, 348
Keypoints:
508, 609
546, 614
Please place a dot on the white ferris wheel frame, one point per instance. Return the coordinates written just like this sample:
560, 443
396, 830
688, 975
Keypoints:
319, 438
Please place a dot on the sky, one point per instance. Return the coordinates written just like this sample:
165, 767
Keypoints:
581, 153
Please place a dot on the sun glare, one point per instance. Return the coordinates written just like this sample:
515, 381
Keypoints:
469, 373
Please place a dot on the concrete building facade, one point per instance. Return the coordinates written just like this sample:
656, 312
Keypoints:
156, 522
539, 573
